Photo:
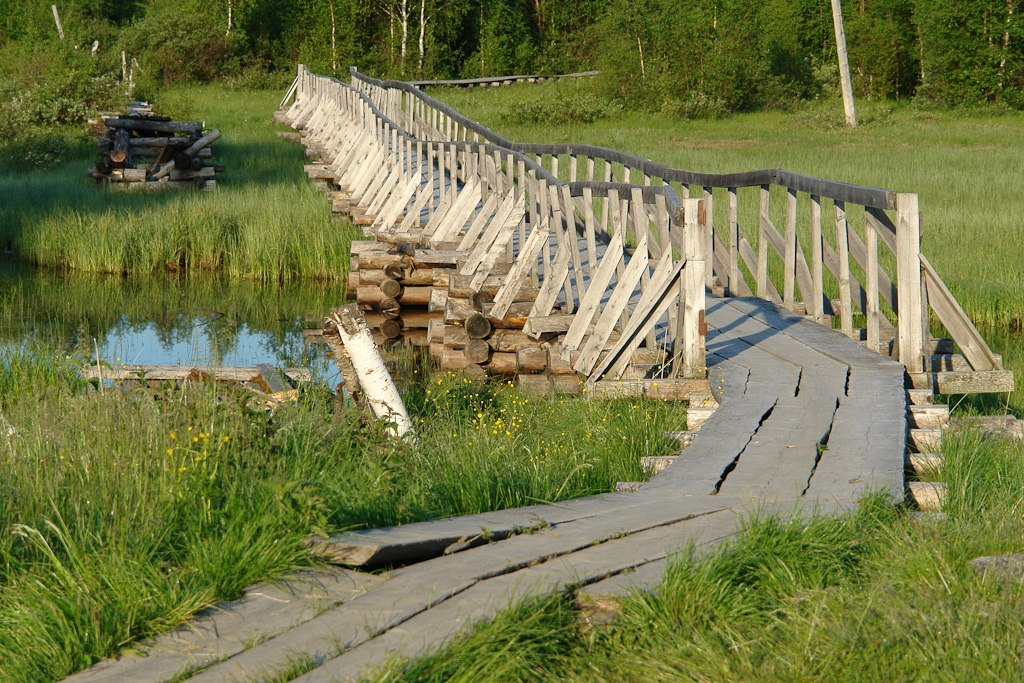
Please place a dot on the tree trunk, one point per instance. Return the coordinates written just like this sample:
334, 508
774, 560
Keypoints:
423, 33
381, 393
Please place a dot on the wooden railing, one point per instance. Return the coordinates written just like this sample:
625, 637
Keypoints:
615, 266
817, 267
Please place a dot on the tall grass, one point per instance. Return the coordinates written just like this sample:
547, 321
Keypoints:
124, 512
264, 220
876, 595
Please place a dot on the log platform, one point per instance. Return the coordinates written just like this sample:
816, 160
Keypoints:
536, 261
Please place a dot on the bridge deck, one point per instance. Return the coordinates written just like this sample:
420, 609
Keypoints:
809, 420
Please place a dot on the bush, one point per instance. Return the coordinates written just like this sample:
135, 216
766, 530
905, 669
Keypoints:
177, 46
572, 108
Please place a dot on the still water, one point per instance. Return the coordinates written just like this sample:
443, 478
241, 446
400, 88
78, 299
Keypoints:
167, 320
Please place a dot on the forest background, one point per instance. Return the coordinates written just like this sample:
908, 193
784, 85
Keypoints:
687, 59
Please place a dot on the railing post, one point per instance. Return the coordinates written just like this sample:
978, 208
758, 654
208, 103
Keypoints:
908, 274
695, 250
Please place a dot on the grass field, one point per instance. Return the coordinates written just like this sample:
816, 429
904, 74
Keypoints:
126, 512
877, 595
264, 221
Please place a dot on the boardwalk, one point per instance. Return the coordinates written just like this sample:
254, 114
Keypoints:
809, 420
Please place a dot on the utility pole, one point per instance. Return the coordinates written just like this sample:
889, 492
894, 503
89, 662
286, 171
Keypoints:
56, 20
844, 64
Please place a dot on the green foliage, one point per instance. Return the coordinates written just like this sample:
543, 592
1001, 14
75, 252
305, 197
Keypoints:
177, 46
558, 104
702, 59
973, 52
692, 60
125, 512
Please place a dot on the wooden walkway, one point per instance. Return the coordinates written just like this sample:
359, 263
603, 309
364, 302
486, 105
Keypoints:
808, 419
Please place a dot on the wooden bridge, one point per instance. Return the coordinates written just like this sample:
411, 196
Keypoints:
607, 266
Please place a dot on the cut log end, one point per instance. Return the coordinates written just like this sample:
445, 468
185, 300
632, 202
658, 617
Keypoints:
391, 328
391, 288
478, 327
477, 351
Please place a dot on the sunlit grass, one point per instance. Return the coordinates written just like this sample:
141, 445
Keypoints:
876, 595
265, 220
127, 511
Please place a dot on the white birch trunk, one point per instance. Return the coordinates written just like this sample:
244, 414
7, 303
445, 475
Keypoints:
423, 32
405, 29
378, 388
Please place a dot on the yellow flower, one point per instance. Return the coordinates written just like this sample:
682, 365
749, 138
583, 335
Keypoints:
182, 468
225, 438
170, 451
173, 435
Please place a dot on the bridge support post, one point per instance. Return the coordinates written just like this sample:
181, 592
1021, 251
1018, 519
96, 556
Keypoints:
691, 316
908, 274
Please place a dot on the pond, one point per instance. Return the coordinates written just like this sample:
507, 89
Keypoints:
167, 320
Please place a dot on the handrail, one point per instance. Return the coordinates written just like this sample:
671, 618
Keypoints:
501, 79
576, 187
731, 257
872, 197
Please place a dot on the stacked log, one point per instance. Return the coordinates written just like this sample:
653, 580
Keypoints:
140, 150
396, 286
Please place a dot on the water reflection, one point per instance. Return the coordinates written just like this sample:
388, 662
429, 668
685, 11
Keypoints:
167, 320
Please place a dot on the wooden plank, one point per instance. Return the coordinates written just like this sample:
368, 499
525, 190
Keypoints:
959, 324
816, 296
495, 227
432, 630
843, 254
521, 268
595, 292
691, 319
503, 238
553, 280
789, 279
654, 303
952, 382
135, 371
616, 305
452, 224
229, 628
872, 312
427, 585
477, 226
761, 272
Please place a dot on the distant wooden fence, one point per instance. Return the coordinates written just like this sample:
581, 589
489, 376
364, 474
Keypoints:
590, 196
495, 81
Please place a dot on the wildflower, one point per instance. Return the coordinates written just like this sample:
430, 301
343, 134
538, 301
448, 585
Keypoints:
173, 435
225, 438
170, 452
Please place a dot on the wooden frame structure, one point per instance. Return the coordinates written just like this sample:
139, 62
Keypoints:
594, 201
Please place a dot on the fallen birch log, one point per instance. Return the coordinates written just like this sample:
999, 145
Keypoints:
374, 379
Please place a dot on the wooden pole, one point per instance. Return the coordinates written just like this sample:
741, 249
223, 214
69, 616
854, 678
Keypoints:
694, 248
908, 274
844, 64
56, 20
